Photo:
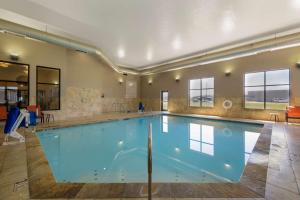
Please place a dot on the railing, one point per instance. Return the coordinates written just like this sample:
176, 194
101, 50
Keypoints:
150, 162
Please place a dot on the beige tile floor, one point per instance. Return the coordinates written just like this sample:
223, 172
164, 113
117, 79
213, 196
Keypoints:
283, 181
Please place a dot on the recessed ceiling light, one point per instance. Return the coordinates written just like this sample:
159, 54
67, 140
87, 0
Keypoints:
149, 55
228, 22
121, 53
295, 3
176, 43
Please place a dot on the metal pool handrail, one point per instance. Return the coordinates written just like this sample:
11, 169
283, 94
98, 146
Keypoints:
150, 161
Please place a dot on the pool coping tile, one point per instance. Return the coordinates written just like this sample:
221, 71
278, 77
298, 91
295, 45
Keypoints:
42, 183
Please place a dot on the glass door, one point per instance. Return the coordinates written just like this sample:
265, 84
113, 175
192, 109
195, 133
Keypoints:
164, 100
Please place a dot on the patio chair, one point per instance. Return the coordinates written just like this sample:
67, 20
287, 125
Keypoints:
292, 112
3, 113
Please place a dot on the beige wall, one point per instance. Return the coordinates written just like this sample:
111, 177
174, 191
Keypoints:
84, 78
225, 87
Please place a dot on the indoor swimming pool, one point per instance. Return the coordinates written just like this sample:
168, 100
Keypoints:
185, 150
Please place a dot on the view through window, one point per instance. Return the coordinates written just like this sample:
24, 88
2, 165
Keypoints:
14, 88
267, 90
201, 92
48, 88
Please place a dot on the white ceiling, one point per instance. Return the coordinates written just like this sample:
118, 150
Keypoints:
139, 33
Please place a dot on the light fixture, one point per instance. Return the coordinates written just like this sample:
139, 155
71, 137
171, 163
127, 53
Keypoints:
4, 65
228, 73
14, 57
121, 142
55, 82
120, 81
149, 55
177, 78
177, 149
121, 53
296, 4
176, 43
150, 82
298, 64
228, 22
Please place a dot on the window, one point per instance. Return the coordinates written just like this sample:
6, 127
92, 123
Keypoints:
202, 138
48, 88
267, 90
201, 92
14, 87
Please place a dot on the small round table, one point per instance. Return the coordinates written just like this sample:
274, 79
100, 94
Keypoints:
275, 116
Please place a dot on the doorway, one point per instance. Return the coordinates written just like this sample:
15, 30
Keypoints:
164, 98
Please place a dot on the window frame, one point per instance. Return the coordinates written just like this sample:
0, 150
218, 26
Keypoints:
265, 87
59, 85
28, 80
201, 89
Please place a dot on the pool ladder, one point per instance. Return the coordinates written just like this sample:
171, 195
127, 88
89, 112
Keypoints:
150, 162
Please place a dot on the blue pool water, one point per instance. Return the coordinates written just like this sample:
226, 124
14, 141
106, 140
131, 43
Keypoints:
184, 150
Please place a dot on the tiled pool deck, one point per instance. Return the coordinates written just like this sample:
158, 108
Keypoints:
273, 171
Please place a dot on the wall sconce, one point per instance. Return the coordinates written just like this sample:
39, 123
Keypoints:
227, 73
150, 82
177, 79
120, 81
298, 64
14, 57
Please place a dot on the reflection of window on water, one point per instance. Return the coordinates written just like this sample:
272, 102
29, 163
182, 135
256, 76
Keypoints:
202, 138
165, 124
250, 141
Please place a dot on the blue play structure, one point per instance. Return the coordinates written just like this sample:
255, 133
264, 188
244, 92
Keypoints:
17, 118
